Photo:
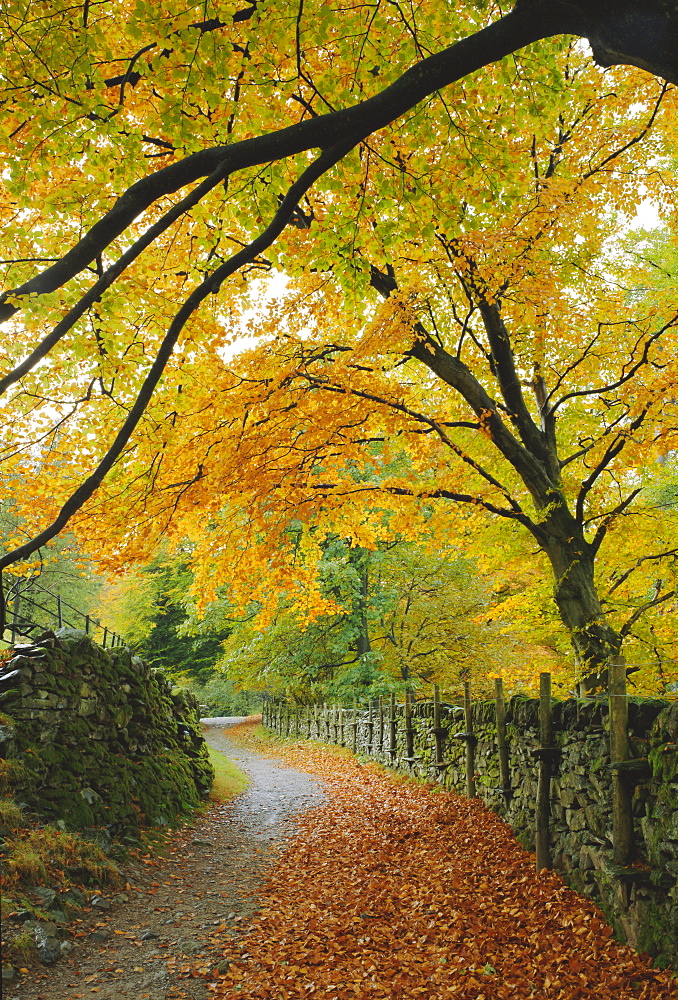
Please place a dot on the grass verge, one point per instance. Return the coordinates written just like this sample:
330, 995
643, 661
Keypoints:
229, 780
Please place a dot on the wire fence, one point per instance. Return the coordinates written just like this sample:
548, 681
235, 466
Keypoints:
32, 608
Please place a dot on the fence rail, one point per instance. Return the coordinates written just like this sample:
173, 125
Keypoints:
31, 608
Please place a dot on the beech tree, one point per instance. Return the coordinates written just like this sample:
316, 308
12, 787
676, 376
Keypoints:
251, 117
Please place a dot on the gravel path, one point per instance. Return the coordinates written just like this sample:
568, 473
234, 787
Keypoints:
172, 916
224, 720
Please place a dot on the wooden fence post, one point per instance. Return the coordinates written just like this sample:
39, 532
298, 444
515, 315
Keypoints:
622, 789
370, 727
354, 747
439, 733
381, 724
409, 729
392, 749
326, 720
545, 755
470, 743
341, 726
502, 748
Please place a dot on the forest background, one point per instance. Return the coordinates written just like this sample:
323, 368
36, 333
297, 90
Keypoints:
338, 323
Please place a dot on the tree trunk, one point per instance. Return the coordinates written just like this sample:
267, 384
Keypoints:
572, 560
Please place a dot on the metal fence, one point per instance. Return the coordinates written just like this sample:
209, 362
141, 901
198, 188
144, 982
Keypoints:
32, 608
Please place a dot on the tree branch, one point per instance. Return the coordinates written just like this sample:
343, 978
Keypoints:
627, 626
511, 390
348, 126
209, 285
609, 518
421, 418
653, 558
613, 449
456, 374
110, 275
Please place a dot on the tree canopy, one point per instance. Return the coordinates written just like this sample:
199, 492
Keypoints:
460, 333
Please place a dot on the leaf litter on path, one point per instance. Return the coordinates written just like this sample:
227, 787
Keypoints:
393, 890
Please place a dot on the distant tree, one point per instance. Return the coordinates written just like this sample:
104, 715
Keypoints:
166, 642
397, 617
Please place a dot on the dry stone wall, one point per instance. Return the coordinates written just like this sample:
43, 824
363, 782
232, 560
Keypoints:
98, 739
640, 900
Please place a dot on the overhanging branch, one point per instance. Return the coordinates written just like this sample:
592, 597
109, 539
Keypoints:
348, 126
208, 286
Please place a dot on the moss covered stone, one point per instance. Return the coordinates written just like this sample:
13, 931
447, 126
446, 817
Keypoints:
102, 738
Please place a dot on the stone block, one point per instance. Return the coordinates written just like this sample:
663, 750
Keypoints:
590, 858
575, 819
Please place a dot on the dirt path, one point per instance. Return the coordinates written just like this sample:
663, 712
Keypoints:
166, 929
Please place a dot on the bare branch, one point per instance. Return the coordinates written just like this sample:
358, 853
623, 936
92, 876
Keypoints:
628, 625
656, 557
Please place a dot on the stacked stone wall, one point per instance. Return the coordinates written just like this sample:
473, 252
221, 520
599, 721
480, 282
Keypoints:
641, 901
96, 738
